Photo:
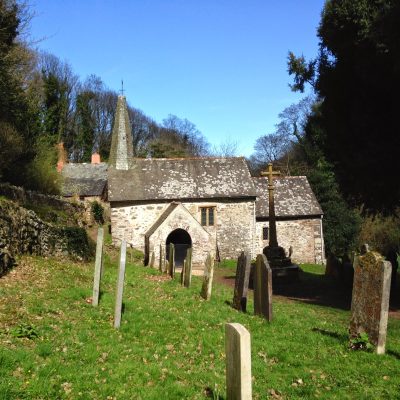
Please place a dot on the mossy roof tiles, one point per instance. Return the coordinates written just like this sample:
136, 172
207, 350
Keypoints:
293, 197
181, 178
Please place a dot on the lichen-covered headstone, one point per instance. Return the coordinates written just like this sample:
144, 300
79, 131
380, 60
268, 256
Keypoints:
241, 282
208, 278
370, 299
238, 362
98, 267
188, 268
263, 288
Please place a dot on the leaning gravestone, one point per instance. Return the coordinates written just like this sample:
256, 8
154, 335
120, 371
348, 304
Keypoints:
370, 299
263, 288
171, 260
238, 362
98, 266
242, 282
208, 278
120, 286
187, 279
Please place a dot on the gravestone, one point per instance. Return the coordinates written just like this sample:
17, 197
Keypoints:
120, 286
208, 278
98, 266
171, 260
370, 298
263, 288
238, 362
161, 266
241, 282
188, 268
183, 272
152, 259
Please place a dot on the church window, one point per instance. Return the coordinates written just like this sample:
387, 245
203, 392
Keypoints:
207, 216
265, 233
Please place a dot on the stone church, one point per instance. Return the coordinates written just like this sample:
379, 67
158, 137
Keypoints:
209, 204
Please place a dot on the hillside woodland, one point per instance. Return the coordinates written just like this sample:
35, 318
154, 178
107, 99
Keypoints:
342, 136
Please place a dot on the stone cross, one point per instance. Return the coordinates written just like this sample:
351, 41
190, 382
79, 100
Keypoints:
273, 241
263, 288
171, 260
238, 362
242, 282
98, 267
370, 298
188, 268
120, 286
208, 278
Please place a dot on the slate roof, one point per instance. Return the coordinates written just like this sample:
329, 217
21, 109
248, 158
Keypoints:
293, 197
181, 178
84, 179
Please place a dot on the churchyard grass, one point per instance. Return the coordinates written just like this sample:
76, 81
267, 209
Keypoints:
55, 345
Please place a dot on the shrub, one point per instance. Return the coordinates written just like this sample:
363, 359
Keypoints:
97, 212
42, 172
382, 233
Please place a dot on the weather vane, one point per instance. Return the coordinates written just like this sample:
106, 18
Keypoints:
122, 87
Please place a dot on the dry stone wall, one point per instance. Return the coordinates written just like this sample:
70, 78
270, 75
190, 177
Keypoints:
22, 231
23, 196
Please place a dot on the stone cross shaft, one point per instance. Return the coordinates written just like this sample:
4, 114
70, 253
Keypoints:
273, 241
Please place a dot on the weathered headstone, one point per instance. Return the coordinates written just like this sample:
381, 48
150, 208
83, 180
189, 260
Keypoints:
120, 286
152, 259
183, 272
238, 362
242, 282
162, 260
370, 299
208, 278
188, 268
98, 267
171, 260
263, 288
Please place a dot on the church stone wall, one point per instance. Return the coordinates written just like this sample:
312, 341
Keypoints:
202, 242
234, 224
236, 228
304, 235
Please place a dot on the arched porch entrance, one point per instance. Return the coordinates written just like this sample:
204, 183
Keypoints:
182, 241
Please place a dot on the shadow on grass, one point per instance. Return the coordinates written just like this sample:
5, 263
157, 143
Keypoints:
212, 394
393, 353
339, 336
316, 289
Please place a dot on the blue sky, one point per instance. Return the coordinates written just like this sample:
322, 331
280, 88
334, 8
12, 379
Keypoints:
219, 63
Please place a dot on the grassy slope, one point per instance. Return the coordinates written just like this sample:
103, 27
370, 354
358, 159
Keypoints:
171, 343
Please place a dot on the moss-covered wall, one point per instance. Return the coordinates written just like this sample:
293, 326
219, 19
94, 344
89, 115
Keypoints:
22, 231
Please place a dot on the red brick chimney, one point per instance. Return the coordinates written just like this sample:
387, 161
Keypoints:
95, 158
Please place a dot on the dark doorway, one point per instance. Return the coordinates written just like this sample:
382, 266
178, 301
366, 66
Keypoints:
182, 241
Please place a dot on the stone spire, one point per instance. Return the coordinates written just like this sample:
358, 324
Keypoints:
121, 153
